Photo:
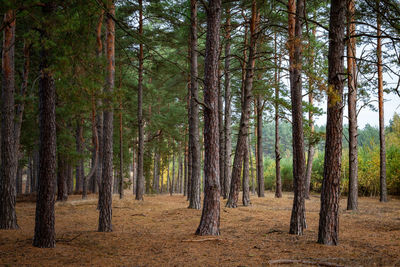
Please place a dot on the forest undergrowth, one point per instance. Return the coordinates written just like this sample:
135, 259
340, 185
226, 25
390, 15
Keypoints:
160, 232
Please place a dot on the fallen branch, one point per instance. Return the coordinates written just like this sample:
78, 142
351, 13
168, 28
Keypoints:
286, 261
68, 240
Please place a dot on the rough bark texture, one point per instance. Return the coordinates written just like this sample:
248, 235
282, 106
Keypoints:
228, 111
329, 214
311, 149
245, 181
221, 130
244, 119
44, 219
352, 199
121, 156
140, 177
382, 166
80, 163
8, 168
105, 207
194, 138
278, 179
62, 190
260, 165
297, 220
210, 217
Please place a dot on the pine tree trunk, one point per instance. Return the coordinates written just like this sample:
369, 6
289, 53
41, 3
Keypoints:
79, 150
244, 119
260, 165
121, 156
221, 129
278, 179
185, 175
194, 139
44, 218
329, 214
210, 217
228, 111
352, 200
245, 182
8, 167
253, 177
105, 207
173, 175
382, 169
62, 193
297, 220
140, 177
18, 180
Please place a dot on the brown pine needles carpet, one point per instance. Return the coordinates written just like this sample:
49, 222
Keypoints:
160, 232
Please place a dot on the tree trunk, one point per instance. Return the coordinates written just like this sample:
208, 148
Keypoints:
245, 182
382, 166
329, 214
173, 175
297, 220
28, 176
62, 193
228, 111
244, 119
70, 182
253, 178
18, 180
79, 150
140, 177
8, 167
185, 175
260, 165
194, 139
278, 179
352, 200
44, 219
210, 217
221, 129
168, 180
121, 155
105, 214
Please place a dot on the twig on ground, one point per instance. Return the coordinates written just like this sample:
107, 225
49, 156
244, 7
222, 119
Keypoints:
201, 240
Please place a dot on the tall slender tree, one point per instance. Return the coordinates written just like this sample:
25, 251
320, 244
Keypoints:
297, 220
382, 166
194, 139
352, 199
105, 214
328, 230
8, 167
244, 119
228, 111
140, 177
278, 179
210, 217
44, 218
260, 158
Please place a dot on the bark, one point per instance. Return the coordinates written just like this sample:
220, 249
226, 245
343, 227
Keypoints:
18, 180
99, 115
121, 155
221, 129
259, 164
194, 138
140, 177
62, 190
352, 199
244, 119
253, 177
8, 167
245, 182
310, 150
105, 207
28, 176
185, 174
79, 150
297, 220
228, 111
329, 213
168, 179
278, 179
44, 219
210, 217
172, 188
382, 151
70, 182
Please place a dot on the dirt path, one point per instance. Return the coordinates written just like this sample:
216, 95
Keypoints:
159, 232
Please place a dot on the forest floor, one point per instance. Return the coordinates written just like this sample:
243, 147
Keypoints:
160, 232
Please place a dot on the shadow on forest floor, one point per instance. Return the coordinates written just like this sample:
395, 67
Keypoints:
160, 232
